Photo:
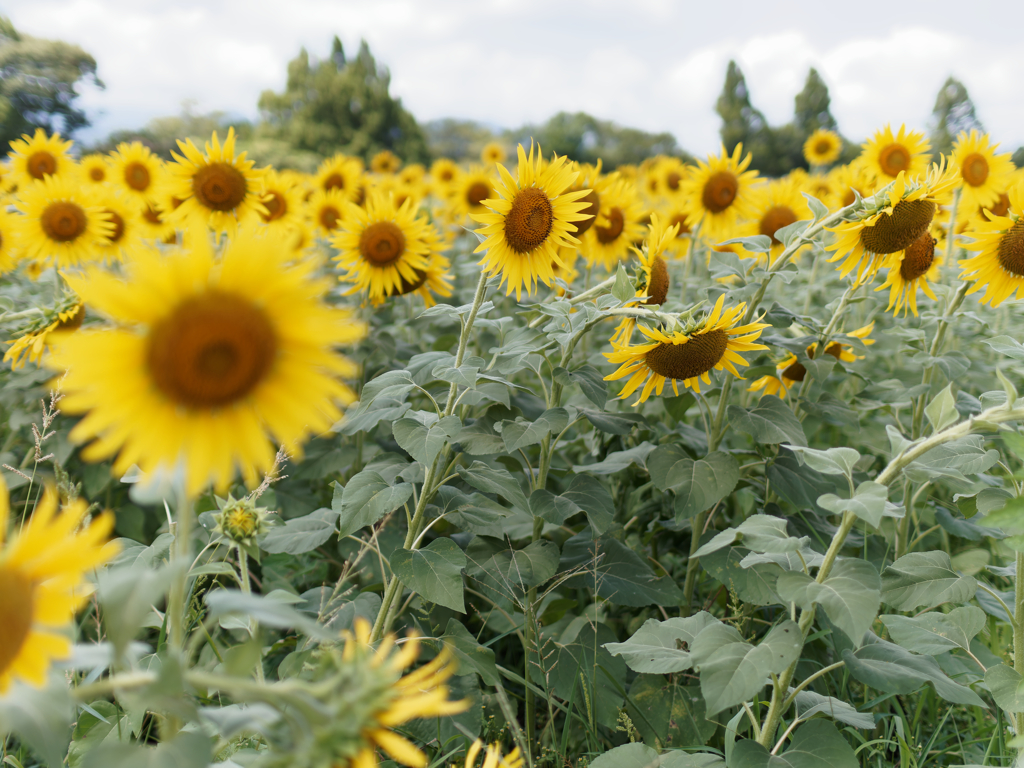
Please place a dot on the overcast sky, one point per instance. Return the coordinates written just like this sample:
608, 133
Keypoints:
652, 64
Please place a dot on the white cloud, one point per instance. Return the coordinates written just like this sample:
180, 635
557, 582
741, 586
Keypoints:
653, 64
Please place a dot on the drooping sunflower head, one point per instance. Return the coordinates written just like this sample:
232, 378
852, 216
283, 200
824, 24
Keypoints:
136, 171
887, 155
218, 188
998, 267
385, 162
493, 152
530, 220
661, 236
909, 270
717, 193
209, 356
985, 174
94, 170
822, 147
61, 223
688, 355
618, 224
32, 339
35, 157
43, 568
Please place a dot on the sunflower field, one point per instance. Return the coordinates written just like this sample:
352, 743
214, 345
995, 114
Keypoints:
520, 463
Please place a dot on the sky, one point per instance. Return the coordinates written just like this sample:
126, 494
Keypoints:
657, 65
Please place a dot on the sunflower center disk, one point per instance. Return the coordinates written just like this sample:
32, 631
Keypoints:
152, 215
63, 221
1002, 206
835, 349
823, 147
276, 207
74, 322
118, 222
795, 372
382, 243
894, 232
136, 176
918, 257
720, 191
685, 361
334, 181
774, 219
528, 223
41, 164
672, 181
211, 351
17, 603
477, 193
219, 187
657, 287
616, 223
893, 159
1011, 249
593, 201
974, 169
406, 287
97, 174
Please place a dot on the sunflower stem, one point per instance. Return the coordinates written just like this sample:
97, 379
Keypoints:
940, 336
1018, 632
183, 558
243, 568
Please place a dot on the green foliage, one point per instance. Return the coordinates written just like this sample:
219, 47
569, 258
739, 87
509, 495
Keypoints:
953, 112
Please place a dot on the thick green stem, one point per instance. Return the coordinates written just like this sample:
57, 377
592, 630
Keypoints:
243, 568
691, 564
1018, 633
933, 350
176, 607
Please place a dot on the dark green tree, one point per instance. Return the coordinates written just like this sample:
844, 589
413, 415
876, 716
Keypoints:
38, 84
460, 140
1018, 157
741, 122
953, 113
341, 105
812, 106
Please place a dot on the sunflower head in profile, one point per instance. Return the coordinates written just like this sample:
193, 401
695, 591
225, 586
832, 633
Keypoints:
653, 281
891, 222
136, 171
718, 193
385, 162
618, 224
985, 174
790, 370
217, 189
688, 355
44, 565
209, 357
998, 266
493, 152
61, 223
342, 173
530, 220
94, 170
910, 269
822, 147
34, 158
775, 206
435, 279
33, 338
887, 155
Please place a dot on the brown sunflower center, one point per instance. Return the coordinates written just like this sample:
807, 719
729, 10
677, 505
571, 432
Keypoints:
152, 215
446, 175
893, 232
1011, 249
720, 191
893, 159
795, 372
1, 241
685, 361
276, 207
593, 201
672, 180
835, 349
1002, 206
75, 321
382, 243
408, 287
118, 232
136, 176
823, 146
97, 174
774, 219
478, 192
329, 217
17, 604
219, 187
334, 181
211, 351
63, 221
918, 257
657, 284
529, 221
680, 219
616, 223
974, 169
41, 164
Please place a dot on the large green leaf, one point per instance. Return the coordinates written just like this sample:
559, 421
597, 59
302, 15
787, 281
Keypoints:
755, 584
732, 670
424, 443
832, 461
1007, 686
809, 703
496, 481
817, 744
366, 499
925, 579
660, 646
617, 461
699, 485
469, 653
520, 434
584, 494
758, 533
604, 675
850, 595
616, 572
435, 572
614, 422
868, 502
668, 713
770, 421
301, 534
591, 382
935, 633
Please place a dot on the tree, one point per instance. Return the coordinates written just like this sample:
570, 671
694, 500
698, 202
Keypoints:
953, 113
1018, 157
457, 139
338, 105
38, 80
812, 106
740, 121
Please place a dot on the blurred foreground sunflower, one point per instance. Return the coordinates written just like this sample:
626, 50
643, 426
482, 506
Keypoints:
492, 757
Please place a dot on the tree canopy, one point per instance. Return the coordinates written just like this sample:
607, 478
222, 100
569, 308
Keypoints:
38, 84
953, 113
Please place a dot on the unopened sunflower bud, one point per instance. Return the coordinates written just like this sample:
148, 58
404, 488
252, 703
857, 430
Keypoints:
241, 521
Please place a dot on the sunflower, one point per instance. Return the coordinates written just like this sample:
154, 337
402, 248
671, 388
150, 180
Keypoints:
822, 147
777, 204
999, 265
532, 219
815, 184
208, 359
718, 193
618, 223
672, 172
435, 278
9, 253
94, 169
910, 269
444, 174
492, 756
985, 174
60, 223
493, 152
469, 190
653, 279
217, 189
36, 157
34, 338
341, 173
156, 224
382, 247
126, 221
790, 371
587, 180
43, 569
137, 172
282, 199
882, 231
886, 156
326, 211
848, 181
686, 355
385, 161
